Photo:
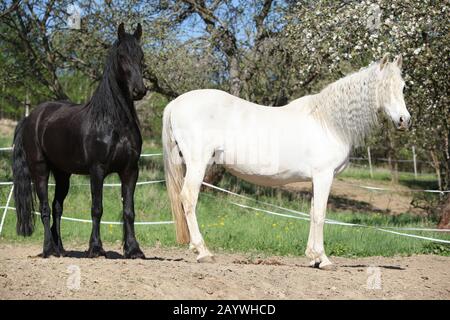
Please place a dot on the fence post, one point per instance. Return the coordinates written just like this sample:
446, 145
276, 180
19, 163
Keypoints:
370, 162
414, 161
27, 104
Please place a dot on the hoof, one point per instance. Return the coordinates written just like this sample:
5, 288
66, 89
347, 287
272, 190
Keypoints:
314, 263
134, 254
95, 252
206, 259
328, 266
50, 251
46, 255
62, 252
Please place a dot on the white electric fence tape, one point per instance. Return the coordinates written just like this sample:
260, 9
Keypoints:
304, 216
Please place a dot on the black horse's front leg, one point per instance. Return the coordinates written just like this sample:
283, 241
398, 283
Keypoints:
95, 243
131, 247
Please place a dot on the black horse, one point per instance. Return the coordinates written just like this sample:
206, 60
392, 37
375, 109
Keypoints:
96, 139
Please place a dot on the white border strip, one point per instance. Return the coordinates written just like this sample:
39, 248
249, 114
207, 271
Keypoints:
142, 154
402, 191
102, 222
328, 221
249, 198
10, 183
345, 224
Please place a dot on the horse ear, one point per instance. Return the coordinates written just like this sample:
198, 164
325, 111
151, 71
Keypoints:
121, 31
138, 33
384, 61
399, 61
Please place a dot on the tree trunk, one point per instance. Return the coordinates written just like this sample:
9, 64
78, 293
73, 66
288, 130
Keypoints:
437, 167
446, 173
235, 81
58, 90
444, 221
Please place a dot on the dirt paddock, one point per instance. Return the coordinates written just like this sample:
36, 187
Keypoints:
174, 274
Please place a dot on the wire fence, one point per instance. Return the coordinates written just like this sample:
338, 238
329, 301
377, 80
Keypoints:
288, 213
413, 165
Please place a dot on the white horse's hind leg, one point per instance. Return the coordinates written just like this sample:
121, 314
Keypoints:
321, 189
189, 197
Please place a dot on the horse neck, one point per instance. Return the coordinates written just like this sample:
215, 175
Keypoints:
111, 105
348, 107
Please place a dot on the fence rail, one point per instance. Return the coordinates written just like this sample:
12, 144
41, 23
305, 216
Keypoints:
292, 214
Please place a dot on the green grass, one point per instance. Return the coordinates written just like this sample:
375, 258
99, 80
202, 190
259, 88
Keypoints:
5, 141
227, 227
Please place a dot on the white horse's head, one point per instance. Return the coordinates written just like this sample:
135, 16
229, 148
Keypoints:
390, 92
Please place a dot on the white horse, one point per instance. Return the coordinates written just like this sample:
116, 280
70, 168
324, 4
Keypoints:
308, 139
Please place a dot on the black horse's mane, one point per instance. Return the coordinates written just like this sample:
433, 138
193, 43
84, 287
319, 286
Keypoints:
111, 103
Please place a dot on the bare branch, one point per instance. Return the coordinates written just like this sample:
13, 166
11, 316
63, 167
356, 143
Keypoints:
12, 8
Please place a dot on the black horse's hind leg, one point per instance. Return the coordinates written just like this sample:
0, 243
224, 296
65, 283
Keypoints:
62, 180
95, 243
131, 247
41, 174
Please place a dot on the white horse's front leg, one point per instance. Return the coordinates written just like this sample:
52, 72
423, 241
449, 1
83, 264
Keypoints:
321, 190
309, 247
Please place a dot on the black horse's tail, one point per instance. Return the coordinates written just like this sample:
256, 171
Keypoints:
23, 193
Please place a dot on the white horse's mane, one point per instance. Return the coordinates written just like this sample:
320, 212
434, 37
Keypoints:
349, 105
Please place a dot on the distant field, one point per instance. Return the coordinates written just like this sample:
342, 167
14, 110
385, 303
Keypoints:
384, 174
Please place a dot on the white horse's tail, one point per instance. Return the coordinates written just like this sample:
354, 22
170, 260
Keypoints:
174, 172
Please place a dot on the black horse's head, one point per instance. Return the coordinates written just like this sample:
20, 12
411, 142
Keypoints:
130, 60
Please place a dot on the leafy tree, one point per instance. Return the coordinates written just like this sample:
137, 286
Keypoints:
329, 38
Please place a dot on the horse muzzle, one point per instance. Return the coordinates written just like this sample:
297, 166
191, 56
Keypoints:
403, 123
138, 94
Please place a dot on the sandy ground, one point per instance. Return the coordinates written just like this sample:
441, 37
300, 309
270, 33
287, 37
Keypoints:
174, 274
